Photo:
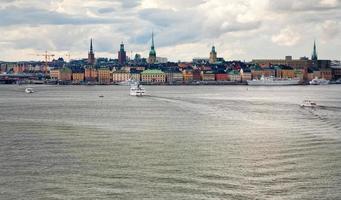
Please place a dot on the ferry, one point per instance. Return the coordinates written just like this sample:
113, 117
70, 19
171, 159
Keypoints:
137, 90
271, 81
128, 82
317, 81
308, 104
29, 90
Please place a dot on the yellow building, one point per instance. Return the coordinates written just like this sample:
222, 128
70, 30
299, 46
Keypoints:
120, 76
153, 76
104, 76
77, 77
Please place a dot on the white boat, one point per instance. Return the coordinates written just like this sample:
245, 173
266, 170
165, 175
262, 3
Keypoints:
318, 81
29, 90
308, 104
128, 82
137, 90
271, 81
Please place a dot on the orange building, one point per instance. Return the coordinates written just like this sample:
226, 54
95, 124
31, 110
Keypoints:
65, 74
77, 77
187, 75
104, 76
90, 74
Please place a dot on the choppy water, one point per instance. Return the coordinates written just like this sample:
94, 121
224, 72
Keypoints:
179, 143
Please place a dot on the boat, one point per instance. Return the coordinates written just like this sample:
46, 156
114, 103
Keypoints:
308, 104
29, 90
128, 82
137, 90
101, 96
318, 81
271, 81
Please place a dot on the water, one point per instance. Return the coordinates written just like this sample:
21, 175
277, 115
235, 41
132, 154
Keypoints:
186, 142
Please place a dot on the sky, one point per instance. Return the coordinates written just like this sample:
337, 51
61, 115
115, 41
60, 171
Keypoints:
239, 29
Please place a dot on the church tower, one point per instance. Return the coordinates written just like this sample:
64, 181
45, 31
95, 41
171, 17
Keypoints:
91, 54
152, 52
213, 56
122, 55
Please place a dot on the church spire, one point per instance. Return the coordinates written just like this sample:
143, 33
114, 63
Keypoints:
153, 40
314, 55
91, 48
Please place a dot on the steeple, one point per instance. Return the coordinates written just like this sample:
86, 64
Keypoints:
153, 40
314, 55
152, 52
91, 54
91, 48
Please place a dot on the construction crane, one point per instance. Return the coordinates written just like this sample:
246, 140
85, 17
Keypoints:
47, 58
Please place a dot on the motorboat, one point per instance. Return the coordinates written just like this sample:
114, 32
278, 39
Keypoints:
308, 104
318, 81
137, 90
29, 90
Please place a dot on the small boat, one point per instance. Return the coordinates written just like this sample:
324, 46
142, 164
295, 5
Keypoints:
29, 90
317, 81
100, 96
308, 104
137, 90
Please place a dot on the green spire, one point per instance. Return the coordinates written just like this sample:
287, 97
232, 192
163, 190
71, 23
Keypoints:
314, 55
152, 51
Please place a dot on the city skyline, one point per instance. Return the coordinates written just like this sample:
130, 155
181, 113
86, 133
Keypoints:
239, 29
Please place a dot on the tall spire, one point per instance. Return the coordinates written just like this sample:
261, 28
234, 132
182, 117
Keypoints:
314, 55
91, 48
153, 40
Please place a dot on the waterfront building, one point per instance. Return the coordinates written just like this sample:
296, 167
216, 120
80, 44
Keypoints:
196, 75
152, 52
54, 74
104, 76
326, 74
234, 75
120, 76
207, 76
336, 70
173, 76
187, 75
246, 75
122, 55
90, 74
213, 56
91, 55
135, 75
65, 75
221, 77
153, 76
18, 69
77, 77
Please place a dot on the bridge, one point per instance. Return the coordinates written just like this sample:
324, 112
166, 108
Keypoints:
13, 78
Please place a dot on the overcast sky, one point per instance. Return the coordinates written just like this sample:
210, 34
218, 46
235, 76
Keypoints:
240, 29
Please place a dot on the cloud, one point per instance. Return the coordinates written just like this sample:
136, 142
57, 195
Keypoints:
239, 28
287, 37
